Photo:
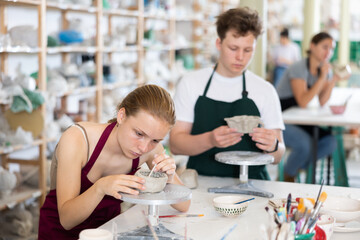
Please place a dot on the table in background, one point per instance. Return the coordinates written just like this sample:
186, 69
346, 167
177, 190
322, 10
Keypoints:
322, 116
213, 225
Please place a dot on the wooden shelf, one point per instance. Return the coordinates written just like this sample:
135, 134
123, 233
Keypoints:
160, 48
10, 149
19, 50
17, 196
165, 18
77, 91
111, 86
125, 49
36, 142
71, 7
72, 49
121, 12
100, 52
20, 2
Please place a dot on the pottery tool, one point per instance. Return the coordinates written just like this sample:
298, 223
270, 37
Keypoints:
185, 234
288, 207
152, 170
150, 226
273, 215
182, 215
228, 232
317, 199
164, 152
247, 200
347, 99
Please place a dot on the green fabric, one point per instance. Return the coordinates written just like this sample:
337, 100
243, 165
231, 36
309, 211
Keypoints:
19, 104
52, 42
210, 114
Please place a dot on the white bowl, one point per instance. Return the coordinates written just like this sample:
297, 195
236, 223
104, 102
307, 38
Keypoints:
95, 234
225, 205
326, 223
342, 209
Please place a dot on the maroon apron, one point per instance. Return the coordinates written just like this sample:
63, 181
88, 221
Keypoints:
108, 208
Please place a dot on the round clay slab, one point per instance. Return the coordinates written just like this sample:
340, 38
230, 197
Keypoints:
172, 193
244, 158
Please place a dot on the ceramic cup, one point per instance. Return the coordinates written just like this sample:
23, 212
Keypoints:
154, 183
95, 234
343, 71
326, 223
244, 123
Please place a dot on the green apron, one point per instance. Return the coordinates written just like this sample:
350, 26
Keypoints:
208, 115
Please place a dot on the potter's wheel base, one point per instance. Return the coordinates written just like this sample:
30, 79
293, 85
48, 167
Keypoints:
144, 233
243, 188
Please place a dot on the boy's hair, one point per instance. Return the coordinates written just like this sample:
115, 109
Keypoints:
151, 98
242, 20
285, 33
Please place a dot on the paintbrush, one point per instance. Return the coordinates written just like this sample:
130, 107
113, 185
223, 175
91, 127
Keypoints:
182, 215
273, 215
150, 226
247, 200
228, 232
315, 212
288, 207
317, 199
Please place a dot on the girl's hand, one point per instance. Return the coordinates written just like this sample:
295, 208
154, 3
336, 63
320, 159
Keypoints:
325, 70
166, 164
113, 184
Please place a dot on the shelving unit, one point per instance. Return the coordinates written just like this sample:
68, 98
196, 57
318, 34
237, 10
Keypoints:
104, 18
23, 194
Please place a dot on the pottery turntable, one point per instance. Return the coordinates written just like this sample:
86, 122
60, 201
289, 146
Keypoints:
171, 194
244, 159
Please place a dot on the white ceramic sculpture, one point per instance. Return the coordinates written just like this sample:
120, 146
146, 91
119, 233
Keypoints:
7, 182
244, 123
154, 183
189, 177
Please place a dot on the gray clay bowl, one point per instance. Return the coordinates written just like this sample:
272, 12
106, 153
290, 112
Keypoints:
153, 184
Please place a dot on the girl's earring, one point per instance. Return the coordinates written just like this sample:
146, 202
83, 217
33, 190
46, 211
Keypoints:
117, 124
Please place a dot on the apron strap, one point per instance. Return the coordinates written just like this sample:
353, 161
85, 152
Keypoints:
244, 93
209, 81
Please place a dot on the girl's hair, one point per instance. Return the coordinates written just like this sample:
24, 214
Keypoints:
242, 20
318, 38
151, 98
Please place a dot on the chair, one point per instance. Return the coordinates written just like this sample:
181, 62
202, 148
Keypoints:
338, 158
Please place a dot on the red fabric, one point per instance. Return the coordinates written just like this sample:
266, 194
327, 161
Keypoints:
108, 208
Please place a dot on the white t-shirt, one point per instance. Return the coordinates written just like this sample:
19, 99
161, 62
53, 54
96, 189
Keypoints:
224, 89
290, 51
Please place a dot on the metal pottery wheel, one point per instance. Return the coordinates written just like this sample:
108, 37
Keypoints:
171, 194
244, 159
